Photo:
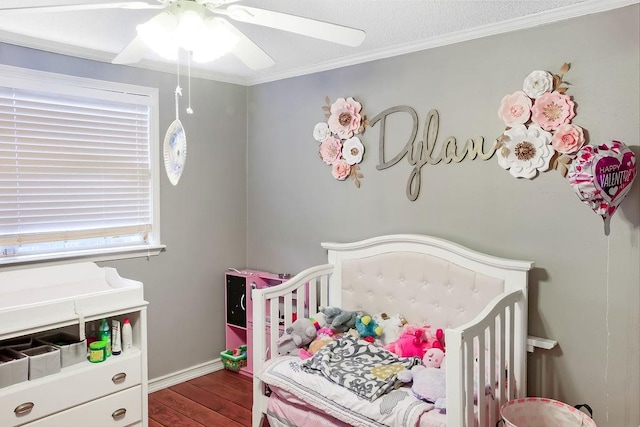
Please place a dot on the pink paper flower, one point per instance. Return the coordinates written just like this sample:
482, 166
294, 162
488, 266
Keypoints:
330, 150
340, 170
552, 110
515, 108
568, 139
345, 117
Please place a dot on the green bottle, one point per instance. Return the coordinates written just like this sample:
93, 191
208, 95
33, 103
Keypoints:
105, 335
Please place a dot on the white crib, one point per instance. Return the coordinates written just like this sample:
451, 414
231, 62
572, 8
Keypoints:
480, 300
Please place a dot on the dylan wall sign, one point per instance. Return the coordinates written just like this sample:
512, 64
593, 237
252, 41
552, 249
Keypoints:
422, 151
539, 136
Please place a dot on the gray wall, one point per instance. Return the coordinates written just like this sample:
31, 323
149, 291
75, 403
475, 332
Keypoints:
585, 289
203, 219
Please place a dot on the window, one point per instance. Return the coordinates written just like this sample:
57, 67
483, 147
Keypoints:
78, 168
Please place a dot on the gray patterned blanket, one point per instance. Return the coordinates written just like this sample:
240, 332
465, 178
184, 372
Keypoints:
363, 368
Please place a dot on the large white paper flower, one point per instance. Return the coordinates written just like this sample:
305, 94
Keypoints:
538, 83
525, 151
352, 150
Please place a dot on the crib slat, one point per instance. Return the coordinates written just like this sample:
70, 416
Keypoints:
502, 382
482, 379
288, 309
300, 301
512, 385
313, 296
468, 384
324, 291
491, 355
274, 313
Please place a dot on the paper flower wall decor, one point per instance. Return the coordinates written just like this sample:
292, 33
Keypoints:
339, 146
539, 135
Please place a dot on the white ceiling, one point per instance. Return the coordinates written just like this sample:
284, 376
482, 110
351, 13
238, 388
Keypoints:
393, 27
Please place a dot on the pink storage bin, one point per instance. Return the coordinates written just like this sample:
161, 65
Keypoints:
543, 412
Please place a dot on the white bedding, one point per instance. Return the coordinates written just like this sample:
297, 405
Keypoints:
396, 408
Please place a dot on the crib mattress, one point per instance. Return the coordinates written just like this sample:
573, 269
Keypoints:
396, 408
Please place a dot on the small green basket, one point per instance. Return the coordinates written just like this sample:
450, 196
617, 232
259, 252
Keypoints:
234, 363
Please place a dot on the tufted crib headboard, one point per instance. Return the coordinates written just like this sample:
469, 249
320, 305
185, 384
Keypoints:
425, 279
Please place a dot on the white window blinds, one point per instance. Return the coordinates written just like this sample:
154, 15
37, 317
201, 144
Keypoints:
75, 167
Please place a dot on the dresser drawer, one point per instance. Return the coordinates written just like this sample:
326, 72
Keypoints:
118, 410
72, 386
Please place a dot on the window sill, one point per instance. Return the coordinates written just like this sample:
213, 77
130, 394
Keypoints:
94, 255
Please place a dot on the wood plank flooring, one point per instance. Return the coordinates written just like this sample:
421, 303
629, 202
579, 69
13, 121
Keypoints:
222, 398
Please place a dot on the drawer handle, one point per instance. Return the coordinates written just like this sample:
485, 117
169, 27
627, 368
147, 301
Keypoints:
119, 378
23, 409
119, 413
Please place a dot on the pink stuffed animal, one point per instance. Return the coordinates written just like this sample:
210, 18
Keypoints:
415, 341
433, 358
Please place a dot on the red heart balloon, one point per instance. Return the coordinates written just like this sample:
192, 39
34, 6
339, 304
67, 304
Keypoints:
601, 176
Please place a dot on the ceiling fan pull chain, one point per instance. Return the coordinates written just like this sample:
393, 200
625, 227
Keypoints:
178, 88
189, 110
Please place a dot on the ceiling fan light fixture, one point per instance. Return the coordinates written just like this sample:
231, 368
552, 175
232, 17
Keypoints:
190, 29
215, 41
206, 38
159, 34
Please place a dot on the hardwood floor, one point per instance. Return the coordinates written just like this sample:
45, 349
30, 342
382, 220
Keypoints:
222, 398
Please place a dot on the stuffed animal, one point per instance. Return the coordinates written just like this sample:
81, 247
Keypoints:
367, 328
429, 379
339, 320
429, 384
414, 341
433, 358
391, 327
299, 334
324, 337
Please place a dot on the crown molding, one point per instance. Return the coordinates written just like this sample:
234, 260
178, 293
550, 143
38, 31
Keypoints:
555, 15
588, 7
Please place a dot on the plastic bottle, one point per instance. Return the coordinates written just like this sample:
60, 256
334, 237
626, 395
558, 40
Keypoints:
105, 335
116, 341
127, 336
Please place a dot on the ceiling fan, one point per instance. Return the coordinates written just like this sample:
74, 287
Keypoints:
203, 28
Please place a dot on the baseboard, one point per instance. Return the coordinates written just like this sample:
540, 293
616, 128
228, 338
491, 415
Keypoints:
185, 375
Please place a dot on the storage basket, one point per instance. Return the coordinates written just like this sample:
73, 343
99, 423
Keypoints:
72, 350
234, 363
542, 412
14, 367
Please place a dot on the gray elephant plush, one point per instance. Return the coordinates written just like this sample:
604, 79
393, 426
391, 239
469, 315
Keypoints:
298, 335
339, 320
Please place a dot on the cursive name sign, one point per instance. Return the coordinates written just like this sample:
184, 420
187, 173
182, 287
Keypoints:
421, 152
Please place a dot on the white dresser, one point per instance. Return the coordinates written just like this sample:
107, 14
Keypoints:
58, 299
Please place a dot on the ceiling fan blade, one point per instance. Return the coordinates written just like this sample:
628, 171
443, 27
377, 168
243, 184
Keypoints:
80, 6
133, 52
295, 24
246, 50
